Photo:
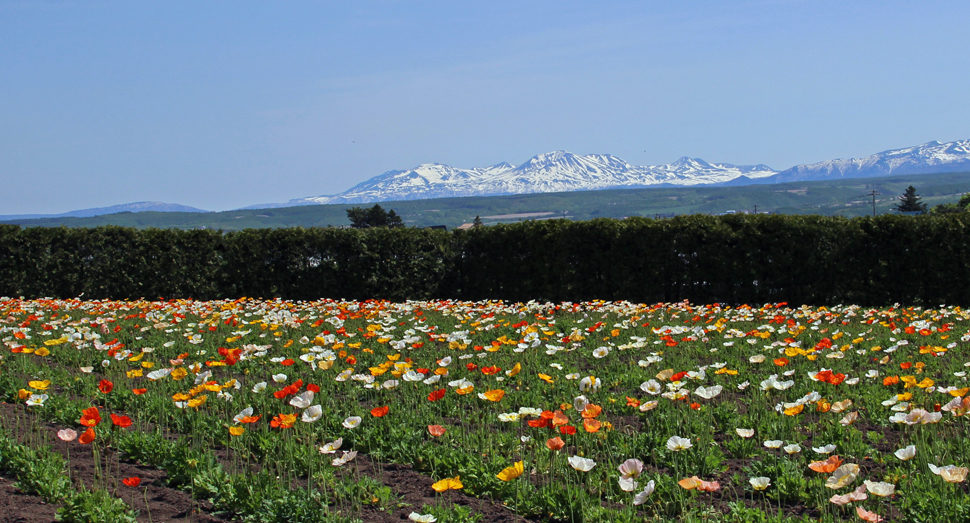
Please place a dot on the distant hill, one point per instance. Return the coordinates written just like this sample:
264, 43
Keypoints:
844, 197
98, 211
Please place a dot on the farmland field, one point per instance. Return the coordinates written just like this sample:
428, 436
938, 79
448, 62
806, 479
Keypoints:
258, 410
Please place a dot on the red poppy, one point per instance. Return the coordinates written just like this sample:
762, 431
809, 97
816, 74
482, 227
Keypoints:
436, 395
488, 371
679, 376
121, 421
420, 370
313, 388
90, 417
105, 386
695, 406
287, 362
379, 412
567, 429
138, 392
471, 366
86, 437
351, 360
131, 482
906, 365
540, 423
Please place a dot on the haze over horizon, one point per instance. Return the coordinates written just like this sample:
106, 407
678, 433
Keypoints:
225, 105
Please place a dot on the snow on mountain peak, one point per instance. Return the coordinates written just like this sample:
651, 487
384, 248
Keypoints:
560, 171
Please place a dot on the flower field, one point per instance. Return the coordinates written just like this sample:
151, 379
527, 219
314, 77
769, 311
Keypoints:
253, 410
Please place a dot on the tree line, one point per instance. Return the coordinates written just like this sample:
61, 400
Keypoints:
729, 259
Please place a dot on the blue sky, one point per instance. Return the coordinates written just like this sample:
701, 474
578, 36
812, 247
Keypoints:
222, 104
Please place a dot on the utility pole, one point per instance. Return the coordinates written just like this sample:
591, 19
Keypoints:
873, 193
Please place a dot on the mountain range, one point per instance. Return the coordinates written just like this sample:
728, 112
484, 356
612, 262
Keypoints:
562, 171
114, 209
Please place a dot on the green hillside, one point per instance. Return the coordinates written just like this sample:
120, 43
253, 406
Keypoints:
840, 197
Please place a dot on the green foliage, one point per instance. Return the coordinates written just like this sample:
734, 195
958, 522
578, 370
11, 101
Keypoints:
375, 216
727, 259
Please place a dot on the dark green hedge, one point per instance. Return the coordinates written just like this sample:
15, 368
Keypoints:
729, 259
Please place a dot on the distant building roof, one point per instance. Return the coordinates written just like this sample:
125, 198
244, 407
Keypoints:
465, 226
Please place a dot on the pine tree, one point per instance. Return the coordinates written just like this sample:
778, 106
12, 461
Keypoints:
910, 201
477, 222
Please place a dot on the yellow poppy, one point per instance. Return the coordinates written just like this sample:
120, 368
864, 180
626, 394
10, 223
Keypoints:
494, 395
510, 473
179, 373
236, 431
40, 385
546, 378
448, 484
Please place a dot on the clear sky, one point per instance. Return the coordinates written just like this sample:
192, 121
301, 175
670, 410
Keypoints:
223, 104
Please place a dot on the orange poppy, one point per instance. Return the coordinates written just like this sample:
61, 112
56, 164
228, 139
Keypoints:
591, 411
436, 430
555, 443
632, 402
86, 437
558, 418
826, 467
283, 421
890, 380
90, 417
591, 425
567, 429
781, 362
121, 421
379, 412
488, 371
138, 392
540, 423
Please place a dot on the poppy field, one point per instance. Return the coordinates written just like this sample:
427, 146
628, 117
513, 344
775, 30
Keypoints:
272, 410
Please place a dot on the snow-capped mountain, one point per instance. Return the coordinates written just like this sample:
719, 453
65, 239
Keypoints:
932, 157
562, 171
558, 171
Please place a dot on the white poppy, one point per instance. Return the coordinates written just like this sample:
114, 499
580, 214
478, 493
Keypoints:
651, 387
302, 401
312, 414
581, 464
351, 422
642, 496
906, 453
331, 448
677, 444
